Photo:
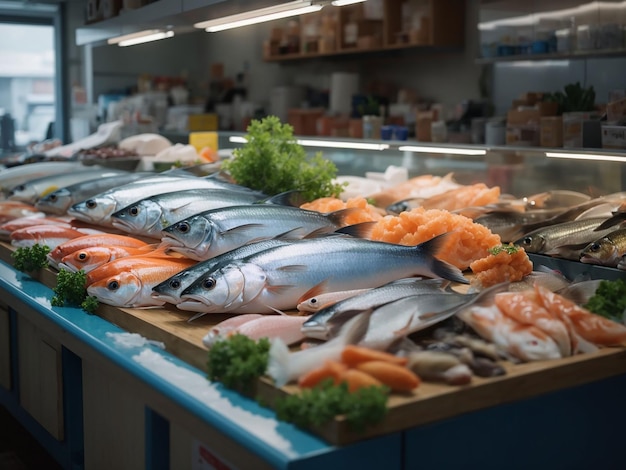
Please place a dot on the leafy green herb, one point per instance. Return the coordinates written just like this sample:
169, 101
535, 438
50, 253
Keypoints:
609, 300
318, 405
273, 162
509, 249
238, 361
29, 259
70, 288
90, 304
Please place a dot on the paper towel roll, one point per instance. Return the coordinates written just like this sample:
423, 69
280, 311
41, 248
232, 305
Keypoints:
342, 87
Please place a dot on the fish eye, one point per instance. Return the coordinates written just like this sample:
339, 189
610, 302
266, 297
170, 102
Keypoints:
313, 301
133, 210
19, 188
175, 284
52, 197
527, 241
208, 283
183, 227
90, 203
113, 285
82, 256
595, 246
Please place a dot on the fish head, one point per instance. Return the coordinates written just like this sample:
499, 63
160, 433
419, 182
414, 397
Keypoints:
57, 202
171, 289
23, 193
95, 209
192, 236
314, 328
532, 242
602, 252
120, 290
228, 287
144, 216
86, 259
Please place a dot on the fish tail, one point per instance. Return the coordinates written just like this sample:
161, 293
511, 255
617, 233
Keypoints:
360, 230
278, 362
293, 198
438, 267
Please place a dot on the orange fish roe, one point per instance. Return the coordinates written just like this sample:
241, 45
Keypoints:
508, 265
330, 204
466, 242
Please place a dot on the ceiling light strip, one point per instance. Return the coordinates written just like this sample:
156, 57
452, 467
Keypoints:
325, 143
140, 37
589, 156
445, 150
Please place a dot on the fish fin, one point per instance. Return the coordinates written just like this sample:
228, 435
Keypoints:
339, 217
356, 327
242, 228
278, 290
313, 291
293, 268
196, 316
288, 234
293, 198
320, 232
611, 221
360, 230
280, 312
181, 207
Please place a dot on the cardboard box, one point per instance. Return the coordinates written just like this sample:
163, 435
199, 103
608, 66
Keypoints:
614, 137
551, 131
304, 121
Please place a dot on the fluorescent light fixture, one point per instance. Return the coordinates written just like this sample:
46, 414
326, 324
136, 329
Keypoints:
341, 3
140, 37
587, 156
259, 16
325, 143
452, 151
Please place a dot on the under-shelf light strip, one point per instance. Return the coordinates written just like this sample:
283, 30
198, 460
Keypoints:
452, 151
259, 16
588, 156
140, 37
325, 143
341, 3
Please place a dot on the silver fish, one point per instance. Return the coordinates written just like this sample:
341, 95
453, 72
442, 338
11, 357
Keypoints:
98, 209
548, 240
170, 289
14, 176
607, 250
32, 190
149, 216
217, 231
278, 277
324, 323
59, 201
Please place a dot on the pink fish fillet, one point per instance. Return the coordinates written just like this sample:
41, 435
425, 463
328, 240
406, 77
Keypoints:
591, 327
525, 308
285, 327
226, 327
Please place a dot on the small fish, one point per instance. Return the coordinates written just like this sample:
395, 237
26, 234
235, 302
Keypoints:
32, 190
45, 235
15, 224
606, 251
128, 282
11, 210
227, 327
319, 301
556, 198
14, 176
276, 278
148, 217
326, 321
285, 327
548, 240
217, 231
58, 202
57, 254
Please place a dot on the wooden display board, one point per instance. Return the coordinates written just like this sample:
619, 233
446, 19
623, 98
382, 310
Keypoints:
430, 402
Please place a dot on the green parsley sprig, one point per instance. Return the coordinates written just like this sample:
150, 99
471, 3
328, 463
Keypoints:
29, 259
70, 290
609, 299
273, 162
238, 361
509, 249
318, 405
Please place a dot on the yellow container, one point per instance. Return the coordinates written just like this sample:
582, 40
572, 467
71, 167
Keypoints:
202, 122
201, 140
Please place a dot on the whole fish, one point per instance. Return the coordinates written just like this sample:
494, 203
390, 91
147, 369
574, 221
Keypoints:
150, 216
576, 234
606, 251
89, 258
227, 327
57, 254
276, 278
285, 327
32, 190
45, 235
14, 176
11, 210
8, 227
170, 289
511, 225
98, 209
217, 231
58, 202
414, 313
556, 198
319, 301
128, 282
326, 322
